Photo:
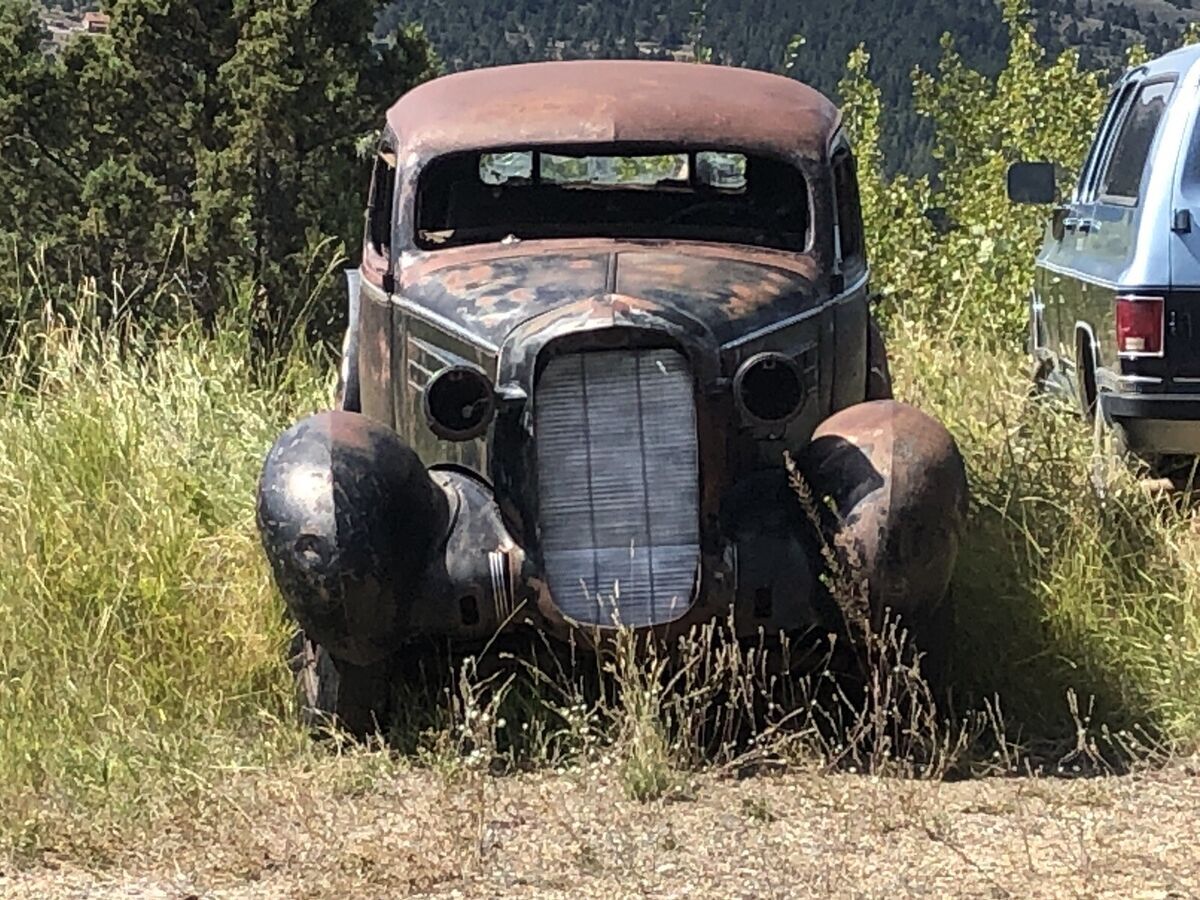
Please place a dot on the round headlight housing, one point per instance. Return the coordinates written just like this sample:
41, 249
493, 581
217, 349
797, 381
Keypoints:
769, 389
459, 403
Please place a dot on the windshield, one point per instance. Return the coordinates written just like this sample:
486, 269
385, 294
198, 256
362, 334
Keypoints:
712, 195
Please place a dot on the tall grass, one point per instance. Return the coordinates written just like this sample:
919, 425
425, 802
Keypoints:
140, 642
1057, 589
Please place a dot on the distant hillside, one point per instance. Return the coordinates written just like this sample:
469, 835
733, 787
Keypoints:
899, 33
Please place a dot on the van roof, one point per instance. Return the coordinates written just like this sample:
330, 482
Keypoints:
1179, 61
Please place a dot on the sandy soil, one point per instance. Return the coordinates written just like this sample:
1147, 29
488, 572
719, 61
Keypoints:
396, 833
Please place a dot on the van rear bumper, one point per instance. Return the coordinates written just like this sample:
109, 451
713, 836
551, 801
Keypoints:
1156, 423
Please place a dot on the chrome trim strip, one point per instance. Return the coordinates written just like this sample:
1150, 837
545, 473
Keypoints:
432, 318
1142, 379
1082, 276
799, 317
1080, 325
428, 316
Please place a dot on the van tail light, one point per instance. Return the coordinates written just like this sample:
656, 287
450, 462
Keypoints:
1140, 325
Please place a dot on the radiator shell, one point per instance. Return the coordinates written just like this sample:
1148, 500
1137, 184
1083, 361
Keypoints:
618, 474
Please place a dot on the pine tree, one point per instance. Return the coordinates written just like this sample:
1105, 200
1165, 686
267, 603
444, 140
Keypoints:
225, 130
282, 186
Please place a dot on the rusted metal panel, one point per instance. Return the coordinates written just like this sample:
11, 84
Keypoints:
486, 292
899, 485
610, 101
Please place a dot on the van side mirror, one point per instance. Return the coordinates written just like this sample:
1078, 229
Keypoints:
1032, 182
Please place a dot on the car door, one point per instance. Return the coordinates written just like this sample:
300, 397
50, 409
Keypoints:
1056, 287
1110, 243
1083, 301
376, 286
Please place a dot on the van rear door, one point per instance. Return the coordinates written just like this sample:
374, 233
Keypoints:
1182, 324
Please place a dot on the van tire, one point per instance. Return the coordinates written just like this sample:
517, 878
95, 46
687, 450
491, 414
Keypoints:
1110, 453
1085, 378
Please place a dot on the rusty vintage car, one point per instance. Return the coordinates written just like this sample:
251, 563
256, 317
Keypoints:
598, 304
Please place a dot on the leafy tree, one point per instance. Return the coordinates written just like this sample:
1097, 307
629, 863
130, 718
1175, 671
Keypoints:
36, 169
976, 275
216, 138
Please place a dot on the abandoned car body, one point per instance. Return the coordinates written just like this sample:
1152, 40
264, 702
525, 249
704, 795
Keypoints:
598, 304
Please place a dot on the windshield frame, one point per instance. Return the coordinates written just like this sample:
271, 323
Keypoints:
811, 173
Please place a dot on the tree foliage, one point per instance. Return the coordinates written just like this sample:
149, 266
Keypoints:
762, 34
216, 138
970, 267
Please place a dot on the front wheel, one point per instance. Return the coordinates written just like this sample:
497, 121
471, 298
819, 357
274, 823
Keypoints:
333, 694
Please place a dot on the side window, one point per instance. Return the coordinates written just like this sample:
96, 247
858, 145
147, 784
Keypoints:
381, 201
849, 210
1122, 180
1112, 114
1191, 166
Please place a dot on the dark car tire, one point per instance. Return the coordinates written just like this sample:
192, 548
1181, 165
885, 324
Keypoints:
933, 636
1040, 386
336, 695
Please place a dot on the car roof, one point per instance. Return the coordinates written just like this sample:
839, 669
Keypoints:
1178, 61
611, 102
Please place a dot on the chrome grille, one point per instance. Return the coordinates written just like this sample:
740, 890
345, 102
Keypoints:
618, 485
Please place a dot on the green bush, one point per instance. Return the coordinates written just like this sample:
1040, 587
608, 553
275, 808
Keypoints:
1055, 591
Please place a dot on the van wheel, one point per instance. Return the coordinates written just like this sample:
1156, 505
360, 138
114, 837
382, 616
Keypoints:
1040, 386
336, 695
1085, 381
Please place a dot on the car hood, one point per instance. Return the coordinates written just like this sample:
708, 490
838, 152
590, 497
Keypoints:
488, 292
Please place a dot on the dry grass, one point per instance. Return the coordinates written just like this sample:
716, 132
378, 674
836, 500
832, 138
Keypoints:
367, 827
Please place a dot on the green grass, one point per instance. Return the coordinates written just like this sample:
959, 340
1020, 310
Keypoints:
1056, 591
141, 644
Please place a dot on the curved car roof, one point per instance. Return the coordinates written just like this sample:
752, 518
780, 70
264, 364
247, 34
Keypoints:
614, 101
1179, 61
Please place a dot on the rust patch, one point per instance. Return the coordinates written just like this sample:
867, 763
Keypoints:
587, 101
732, 290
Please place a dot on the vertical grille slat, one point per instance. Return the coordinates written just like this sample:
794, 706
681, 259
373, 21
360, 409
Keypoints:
618, 476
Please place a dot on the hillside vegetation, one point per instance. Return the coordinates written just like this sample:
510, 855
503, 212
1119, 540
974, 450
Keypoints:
141, 645
807, 39
213, 143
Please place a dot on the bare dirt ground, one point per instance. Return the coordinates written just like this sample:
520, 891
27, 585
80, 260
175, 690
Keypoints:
327, 833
